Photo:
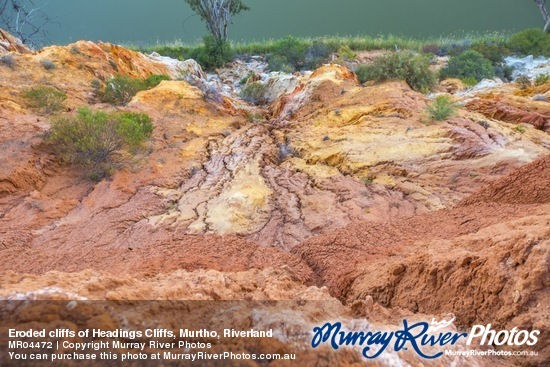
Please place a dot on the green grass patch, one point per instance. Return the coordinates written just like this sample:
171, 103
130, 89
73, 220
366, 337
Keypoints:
45, 100
302, 52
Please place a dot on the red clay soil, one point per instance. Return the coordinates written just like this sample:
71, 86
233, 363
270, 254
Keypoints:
529, 184
502, 109
486, 262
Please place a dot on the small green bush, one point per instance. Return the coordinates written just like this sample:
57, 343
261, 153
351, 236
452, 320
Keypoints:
9, 61
469, 64
542, 79
94, 139
254, 93
279, 63
292, 51
346, 53
47, 64
245, 79
432, 49
469, 82
523, 82
441, 108
493, 52
456, 47
120, 89
292, 54
316, 54
214, 53
45, 100
504, 71
154, 80
531, 42
414, 69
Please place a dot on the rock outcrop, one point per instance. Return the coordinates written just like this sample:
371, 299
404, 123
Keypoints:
9, 43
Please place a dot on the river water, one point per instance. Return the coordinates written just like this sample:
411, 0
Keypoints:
148, 21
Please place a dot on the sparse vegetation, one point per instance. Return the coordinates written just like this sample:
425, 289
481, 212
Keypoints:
155, 79
291, 54
469, 64
255, 117
469, 82
254, 93
432, 49
542, 79
523, 81
214, 53
45, 100
445, 45
367, 181
120, 89
245, 80
494, 52
346, 53
531, 42
414, 69
9, 61
47, 64
441, 108
95, 139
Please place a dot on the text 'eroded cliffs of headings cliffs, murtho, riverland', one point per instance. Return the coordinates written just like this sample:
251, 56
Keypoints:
334, 192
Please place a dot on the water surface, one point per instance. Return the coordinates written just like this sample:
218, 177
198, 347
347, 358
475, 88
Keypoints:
147, 21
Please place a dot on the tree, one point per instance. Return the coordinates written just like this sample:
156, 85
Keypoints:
217, 14
25, 20
545, 16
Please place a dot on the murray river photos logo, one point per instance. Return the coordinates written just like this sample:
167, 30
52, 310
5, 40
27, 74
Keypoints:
418, 337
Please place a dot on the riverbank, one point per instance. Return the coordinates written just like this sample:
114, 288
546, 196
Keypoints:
184, 50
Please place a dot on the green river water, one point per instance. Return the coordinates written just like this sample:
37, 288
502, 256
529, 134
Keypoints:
149, 21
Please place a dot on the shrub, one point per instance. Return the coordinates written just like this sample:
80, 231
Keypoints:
214, 53
291, 54
254, 93
346, 53
441, 108
154, 80
279, 63
315, 55
47, 64
531, 42
245, 79
469, 82
504, 71
414, 69
542, 79
456, 47
432, 49
292, 51
523, 82
120, 89
45, 100
493, 52
469, 64
93, 139
9, 61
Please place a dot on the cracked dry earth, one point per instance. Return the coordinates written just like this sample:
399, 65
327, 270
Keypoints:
343, 196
